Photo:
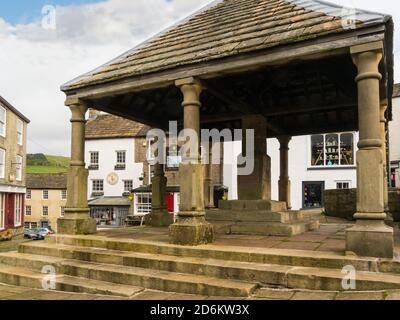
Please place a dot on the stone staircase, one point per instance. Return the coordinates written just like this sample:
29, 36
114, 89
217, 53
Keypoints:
268, 218
124, 267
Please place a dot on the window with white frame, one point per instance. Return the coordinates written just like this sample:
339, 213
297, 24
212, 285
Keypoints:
343, 184
20, 132
97, 185
18, 210
143, 203
63, 194
128, 185
121, 157
45, 211
45, 194
94, 159
28, 210
28, 194
2, 163
2, 210
62, 211
334, 149
18, 169
3, 121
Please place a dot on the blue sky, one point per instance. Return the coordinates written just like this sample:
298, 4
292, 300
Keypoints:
24, 11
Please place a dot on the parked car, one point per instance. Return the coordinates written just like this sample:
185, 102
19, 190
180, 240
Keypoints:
33, 234
45, 231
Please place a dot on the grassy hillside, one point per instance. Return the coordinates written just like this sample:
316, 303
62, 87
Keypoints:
40, 163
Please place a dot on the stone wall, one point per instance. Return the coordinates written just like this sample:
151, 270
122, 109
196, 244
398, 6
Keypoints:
394, 204
342, 203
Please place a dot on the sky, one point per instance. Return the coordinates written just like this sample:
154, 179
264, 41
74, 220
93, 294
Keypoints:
38, 53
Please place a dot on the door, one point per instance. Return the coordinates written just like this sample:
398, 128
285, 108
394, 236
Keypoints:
170, 202
9, 210
313, 194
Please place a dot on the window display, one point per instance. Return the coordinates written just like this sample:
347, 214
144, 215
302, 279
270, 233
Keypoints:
313, 194
333, 149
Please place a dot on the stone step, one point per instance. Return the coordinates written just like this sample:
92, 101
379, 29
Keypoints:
273, 228
312, 278
24, 277
254, 216
268, 205
289, 257
131, 276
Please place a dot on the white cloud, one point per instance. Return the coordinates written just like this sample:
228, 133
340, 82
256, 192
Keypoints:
34, 62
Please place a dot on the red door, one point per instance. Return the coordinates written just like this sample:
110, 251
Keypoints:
170, 202
9, 210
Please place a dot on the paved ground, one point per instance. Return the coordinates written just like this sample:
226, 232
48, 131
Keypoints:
20, 293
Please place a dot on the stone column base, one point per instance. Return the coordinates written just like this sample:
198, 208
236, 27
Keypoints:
191, 231
159, 219
370, 238
76, 224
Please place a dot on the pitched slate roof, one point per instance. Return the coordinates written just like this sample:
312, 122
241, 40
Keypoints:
46, 181
107, 126
8, 105
227, 28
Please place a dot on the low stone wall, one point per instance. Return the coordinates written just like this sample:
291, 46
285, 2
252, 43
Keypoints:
342, 203
394, 204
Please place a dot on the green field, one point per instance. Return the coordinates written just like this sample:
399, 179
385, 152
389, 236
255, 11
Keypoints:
47, 164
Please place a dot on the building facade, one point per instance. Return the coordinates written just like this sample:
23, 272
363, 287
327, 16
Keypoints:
394, 136
114, 170
46, 198
13, 138
316, 163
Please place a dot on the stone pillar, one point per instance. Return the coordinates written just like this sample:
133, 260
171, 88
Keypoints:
383, 109
256, 186
77, 219
284, 182
191, 227
159, 216
208, 182
370, 236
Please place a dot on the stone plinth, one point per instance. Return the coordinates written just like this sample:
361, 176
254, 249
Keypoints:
261, 217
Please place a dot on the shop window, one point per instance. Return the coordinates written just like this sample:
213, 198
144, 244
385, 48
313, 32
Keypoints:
143, 203
313, 194
330, 150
